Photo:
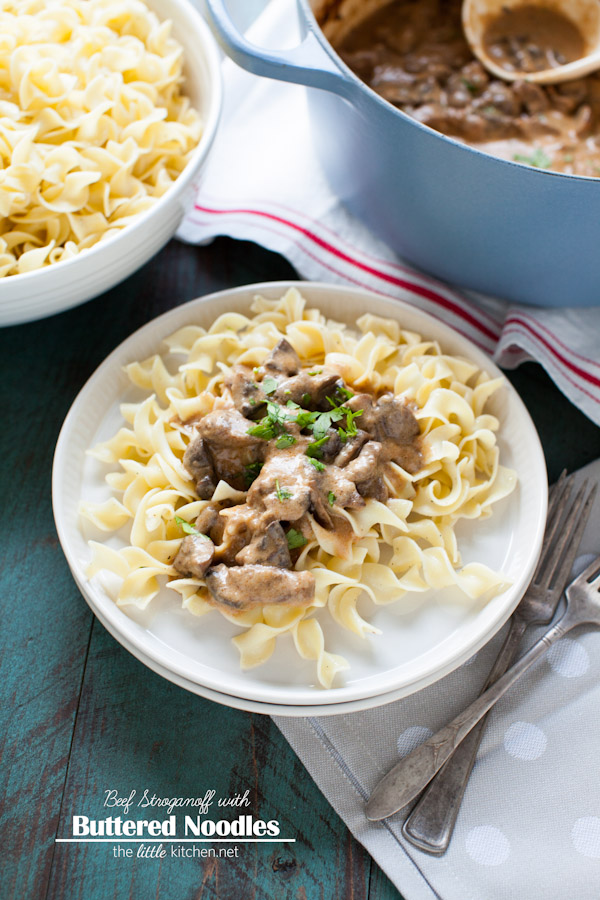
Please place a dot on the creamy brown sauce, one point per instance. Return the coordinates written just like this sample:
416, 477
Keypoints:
305, 448
414, 54
532, 38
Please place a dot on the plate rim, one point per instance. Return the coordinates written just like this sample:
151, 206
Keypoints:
319, 697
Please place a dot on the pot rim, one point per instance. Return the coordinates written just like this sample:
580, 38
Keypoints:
358, 83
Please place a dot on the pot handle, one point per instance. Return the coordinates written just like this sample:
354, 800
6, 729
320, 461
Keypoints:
307, 64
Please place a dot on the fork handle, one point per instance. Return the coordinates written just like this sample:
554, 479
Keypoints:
431, 823
408, 777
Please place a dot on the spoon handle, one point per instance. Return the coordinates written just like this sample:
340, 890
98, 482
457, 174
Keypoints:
408, 777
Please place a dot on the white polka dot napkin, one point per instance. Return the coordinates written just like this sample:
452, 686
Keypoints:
529, 826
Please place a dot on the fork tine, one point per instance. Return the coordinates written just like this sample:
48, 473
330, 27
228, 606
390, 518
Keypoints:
591, 575
563, 555
558, 497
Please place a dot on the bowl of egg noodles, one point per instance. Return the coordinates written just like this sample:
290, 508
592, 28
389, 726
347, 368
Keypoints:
107, 113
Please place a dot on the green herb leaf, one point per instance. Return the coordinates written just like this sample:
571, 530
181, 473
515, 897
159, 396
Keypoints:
316, 372
314, 449
331, 498
472, 88
306, 398
317, 464
286, 440
269, 384
305, 419
295, 539
251, 472
282, 493
538, 159
189, 528
343, 435
351, 428
264, 430
291, 405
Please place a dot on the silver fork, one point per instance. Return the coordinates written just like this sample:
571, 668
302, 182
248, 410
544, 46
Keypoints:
408, 777
431, 823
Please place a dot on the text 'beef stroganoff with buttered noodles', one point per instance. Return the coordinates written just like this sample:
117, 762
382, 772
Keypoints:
291, 464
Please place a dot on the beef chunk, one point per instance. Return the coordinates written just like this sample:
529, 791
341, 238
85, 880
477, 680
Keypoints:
246, 587
284, 485
282, 360
374, 488
199, 464
247, 394
309, 391
267, 548
231, 448
351, 448
364, 467
194, 556
395, 421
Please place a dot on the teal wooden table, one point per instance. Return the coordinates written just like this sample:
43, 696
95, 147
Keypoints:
81, 716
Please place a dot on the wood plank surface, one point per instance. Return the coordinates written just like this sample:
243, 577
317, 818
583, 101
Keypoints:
79, 715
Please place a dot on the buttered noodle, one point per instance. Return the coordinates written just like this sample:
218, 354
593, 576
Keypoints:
93, 125
407, 544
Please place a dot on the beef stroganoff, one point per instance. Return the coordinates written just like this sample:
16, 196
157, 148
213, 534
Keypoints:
289, 465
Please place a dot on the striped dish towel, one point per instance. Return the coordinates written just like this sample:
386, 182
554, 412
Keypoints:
263, 183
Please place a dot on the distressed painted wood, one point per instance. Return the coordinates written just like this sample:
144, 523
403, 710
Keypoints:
79, 715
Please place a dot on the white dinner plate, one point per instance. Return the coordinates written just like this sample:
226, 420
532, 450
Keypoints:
420, 642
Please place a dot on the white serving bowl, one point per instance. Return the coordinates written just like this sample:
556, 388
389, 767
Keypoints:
57, 287
418, 644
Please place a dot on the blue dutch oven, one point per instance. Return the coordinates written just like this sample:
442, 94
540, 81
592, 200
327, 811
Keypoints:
496, 226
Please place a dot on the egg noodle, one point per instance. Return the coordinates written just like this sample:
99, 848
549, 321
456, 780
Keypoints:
93, 125
404, 545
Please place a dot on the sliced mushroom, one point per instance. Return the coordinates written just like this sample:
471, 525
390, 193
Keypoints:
247, 395
246, 587
194, 556
283, 359
199, 464
267, 548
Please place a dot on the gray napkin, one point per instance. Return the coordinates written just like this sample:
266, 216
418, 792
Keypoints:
529, 826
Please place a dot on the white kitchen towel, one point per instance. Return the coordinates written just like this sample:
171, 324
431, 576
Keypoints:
263, 183
529, 826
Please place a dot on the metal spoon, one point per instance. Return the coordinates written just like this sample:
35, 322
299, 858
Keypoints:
584, 14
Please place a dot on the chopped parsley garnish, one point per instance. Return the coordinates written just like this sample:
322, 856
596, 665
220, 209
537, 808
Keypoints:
189, 528
282, 493
314, 449
265, 430
251, 472
316, 372
272, 424
470, 86
306, 398
351, 428
269, 384
252, 401
331, 498
342, 393
295, 539
317, 464
343, 435
538, 159
285, 441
